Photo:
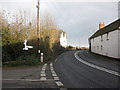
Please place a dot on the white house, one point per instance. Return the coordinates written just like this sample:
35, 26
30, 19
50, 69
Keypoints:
63, 39
106, 41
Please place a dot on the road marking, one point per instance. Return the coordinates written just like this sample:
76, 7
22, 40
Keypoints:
55, 60
95, 66
56, 78
59, 83
53, 72
51, 64
42, 74
88, 53
52, 69
43, 69
43, 78
54, 75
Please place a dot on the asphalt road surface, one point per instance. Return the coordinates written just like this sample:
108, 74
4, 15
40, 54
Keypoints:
87, 70
72, 69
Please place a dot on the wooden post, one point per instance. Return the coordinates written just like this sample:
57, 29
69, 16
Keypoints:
38, 24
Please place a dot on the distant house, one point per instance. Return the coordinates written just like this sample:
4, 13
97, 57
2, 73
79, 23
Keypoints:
63, 39
106, 41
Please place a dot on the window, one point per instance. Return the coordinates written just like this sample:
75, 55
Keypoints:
97, 47
107, 36
101, 47
101, 37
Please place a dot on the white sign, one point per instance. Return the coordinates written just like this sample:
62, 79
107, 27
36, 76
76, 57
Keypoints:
26, 47
29, 46
38, 51
25, 42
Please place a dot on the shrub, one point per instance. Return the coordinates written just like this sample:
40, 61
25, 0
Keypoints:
24, 60
32, 60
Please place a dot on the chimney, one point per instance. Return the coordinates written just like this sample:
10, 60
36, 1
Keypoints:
101, 25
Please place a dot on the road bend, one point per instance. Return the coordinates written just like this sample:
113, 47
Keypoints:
81, 69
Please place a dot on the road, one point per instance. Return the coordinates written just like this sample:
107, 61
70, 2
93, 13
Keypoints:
94, 71
72, 69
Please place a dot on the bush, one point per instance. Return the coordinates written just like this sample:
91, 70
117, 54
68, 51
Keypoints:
31, 60
6, 57
24, 60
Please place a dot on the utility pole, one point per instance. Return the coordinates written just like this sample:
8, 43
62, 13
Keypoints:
38, 24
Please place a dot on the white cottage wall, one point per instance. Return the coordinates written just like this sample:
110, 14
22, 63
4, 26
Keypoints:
119, 43
108, 46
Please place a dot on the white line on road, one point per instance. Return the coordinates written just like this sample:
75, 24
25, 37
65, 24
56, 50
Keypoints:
51, 64
55, 60
53, 72
95, 66
43, 78
56, 78
88, 53
54, 75
59, 83
42, 74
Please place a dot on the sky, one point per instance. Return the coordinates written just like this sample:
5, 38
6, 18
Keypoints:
78, 18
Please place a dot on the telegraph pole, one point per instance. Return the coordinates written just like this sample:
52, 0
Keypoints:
38, 24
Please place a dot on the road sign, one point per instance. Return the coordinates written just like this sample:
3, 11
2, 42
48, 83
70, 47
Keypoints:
38, 51
29, 46
25, 42
25, 48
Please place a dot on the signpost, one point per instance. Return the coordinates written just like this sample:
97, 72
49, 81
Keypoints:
25, 49
41, 57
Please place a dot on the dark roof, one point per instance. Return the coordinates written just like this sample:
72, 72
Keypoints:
111, 27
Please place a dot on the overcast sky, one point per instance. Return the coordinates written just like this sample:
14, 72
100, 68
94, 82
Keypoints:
77, 18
